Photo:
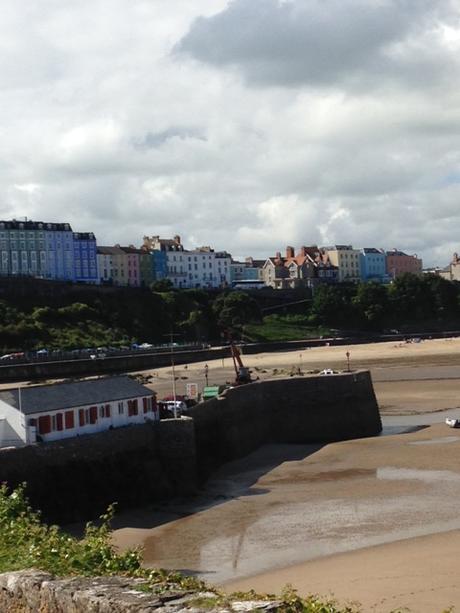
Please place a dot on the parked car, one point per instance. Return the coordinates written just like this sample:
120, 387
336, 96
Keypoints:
145, 346
327, 371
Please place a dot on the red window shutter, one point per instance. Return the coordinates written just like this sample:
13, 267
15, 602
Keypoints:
59, 424
92, 415
69, 420
135, 407
144, 402
107, 410
81, 417
44, 424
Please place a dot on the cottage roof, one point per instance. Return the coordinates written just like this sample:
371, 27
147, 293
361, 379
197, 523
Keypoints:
45, 398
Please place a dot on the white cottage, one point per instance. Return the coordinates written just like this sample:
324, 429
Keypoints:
53, 412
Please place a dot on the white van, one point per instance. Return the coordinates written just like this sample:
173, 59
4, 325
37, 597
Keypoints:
169, 404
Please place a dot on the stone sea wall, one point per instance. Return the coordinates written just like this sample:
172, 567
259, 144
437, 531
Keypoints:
76, 479
317, 409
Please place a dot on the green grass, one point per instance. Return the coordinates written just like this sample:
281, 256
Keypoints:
283, 328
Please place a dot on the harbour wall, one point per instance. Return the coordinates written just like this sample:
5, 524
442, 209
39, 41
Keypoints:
78, 478
316, 409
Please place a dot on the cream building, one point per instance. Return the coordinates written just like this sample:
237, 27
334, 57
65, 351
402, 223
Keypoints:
347, 261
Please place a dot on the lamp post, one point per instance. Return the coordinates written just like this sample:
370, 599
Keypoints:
171, 336
348, 360
206, 369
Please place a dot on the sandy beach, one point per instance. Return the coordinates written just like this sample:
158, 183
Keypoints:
374, 520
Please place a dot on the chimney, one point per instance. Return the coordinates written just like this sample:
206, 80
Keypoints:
289, 252
303, 251
177, 239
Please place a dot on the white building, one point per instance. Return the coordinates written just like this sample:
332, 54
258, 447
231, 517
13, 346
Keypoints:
201, 267
63, 410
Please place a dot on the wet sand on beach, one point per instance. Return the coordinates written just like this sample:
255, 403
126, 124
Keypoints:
372, 520
420, 574
278, 508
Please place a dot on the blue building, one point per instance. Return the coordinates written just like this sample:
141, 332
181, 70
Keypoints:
46, 251
373, 265
85, 257
160, 266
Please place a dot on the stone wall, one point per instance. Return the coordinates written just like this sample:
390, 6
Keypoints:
33, 591
78, 478
296, 410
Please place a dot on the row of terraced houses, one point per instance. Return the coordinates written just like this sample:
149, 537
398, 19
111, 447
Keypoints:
54, 251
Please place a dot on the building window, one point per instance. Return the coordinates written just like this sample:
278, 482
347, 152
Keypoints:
69, 420
121, 408
132, 408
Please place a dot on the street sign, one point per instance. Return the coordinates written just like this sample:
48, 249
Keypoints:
192, 390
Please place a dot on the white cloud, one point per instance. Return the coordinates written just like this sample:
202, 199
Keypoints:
244, 124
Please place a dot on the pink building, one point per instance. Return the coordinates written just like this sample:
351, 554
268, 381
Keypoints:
133, 266
398, 263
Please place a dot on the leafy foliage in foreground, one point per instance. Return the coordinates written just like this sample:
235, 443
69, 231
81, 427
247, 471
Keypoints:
25, 542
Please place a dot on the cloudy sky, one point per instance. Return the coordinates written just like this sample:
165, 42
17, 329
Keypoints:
244, 124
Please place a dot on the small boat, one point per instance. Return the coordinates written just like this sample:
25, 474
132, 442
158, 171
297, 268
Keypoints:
452, 422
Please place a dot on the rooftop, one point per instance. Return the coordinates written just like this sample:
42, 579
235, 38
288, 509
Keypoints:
18, 224
45, 398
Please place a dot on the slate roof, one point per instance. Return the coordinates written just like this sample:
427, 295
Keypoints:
372, 250
45, 398
102, 250
18, 224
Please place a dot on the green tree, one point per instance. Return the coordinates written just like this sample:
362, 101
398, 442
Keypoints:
371, 305
162, 285
332, 305
235, 309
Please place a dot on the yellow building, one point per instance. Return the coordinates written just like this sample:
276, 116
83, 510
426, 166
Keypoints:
347, 261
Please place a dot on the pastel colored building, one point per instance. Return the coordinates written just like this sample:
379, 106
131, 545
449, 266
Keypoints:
119, 265
109, 260
85, 257
249, 270
347, 261
52, 412
160, 265
47, 251
198, 268
399, 263
373, 264
37, 249
132, 266
452, 271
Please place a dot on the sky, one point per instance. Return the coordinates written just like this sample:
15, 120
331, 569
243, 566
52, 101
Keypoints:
247, 125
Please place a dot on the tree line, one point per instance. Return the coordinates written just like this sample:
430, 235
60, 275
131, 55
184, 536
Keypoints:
122, 317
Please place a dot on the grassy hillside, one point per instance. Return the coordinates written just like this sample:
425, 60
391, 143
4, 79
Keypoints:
283, 328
